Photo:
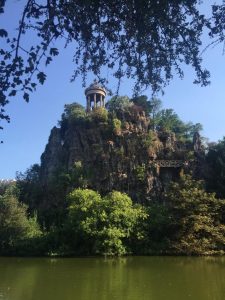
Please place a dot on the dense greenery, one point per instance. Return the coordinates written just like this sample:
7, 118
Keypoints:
168, 120
215, 173
103, 225
16, 229
4, 185
144, 40
185, 221
118, 104
196, 219
68, 216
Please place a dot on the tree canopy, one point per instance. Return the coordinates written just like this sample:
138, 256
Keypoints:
144, 40
121, 103
15, 226
215, 175
196, 219
104, 224
168, 120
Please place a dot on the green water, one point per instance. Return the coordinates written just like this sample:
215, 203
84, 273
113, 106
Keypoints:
133, 278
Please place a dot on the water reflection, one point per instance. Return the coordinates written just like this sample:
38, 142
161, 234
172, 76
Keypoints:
132, 278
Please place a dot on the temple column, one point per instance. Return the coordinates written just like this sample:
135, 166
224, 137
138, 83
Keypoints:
88, 103
101, 100
95, 104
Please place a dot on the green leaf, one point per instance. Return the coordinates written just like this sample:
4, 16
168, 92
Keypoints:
3, 33
54, 51
48, 60
41, 76
26, 97
33, 84
12, 93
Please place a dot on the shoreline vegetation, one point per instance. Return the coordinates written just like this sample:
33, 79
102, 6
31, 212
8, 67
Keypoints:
93, 228
59, 211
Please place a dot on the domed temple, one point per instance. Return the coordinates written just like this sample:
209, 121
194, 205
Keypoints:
95, 96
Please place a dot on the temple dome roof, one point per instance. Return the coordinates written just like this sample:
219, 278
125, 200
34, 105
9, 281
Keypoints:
95, 87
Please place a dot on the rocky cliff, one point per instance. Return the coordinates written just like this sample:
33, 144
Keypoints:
117, 152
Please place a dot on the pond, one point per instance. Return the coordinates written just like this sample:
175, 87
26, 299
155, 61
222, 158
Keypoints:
129, 278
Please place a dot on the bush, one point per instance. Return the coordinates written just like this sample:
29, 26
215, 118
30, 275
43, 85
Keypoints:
149, 139
73, 114
116, 104
143, 102
116, 125
196, 221
99, 114
15, 226
102, 225
140, 173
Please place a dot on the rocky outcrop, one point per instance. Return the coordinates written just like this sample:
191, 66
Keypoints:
132, 159
51, 159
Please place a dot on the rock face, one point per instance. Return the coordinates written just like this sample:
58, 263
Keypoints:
130, 158
50, 159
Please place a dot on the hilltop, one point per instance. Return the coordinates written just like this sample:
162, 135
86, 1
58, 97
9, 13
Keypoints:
116, 178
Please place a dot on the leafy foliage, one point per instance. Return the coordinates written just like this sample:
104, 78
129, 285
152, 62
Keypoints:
196, 219
104, 224
47, 201
143, 102
116, 124
156, 229
168, 120
73, 113
29, 187
4, 185
143, 40
155, 107
15, 226
118, 104
140, 173
99, 114
215, 175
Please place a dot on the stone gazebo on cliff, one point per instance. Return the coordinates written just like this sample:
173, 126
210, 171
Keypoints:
95, 96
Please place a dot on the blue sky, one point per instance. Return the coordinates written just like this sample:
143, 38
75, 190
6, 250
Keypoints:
27, 134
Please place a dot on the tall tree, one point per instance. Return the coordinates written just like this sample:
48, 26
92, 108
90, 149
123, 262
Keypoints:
143, 102
168, 120
104, 225
15, 225
155, 105
196, 219
215, 176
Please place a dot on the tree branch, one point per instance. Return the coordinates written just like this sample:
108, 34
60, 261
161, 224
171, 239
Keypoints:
21, 28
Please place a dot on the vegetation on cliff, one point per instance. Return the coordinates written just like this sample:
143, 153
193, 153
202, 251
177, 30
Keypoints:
112, 182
